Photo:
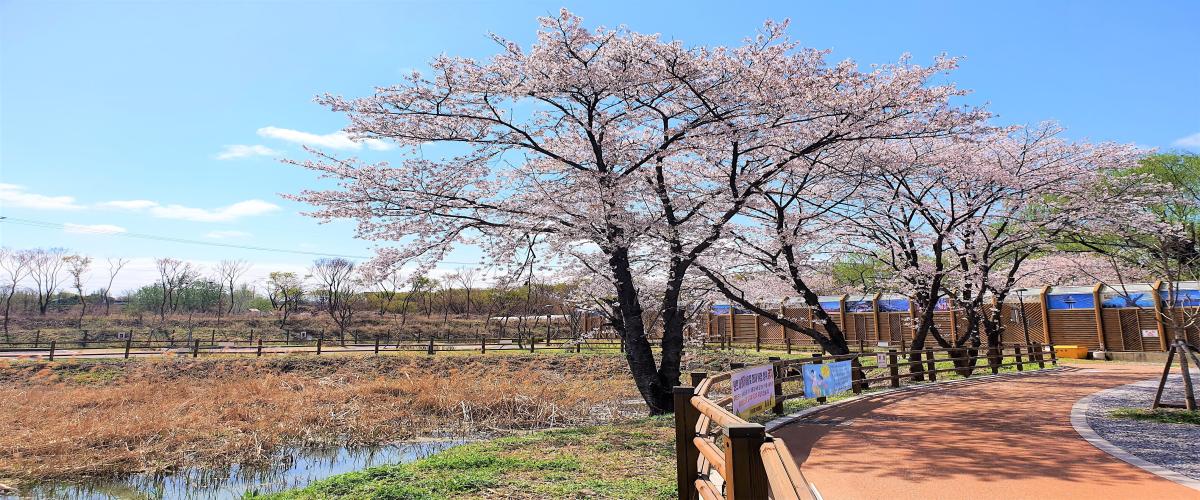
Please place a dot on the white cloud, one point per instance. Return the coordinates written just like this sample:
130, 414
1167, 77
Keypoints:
129, 204
92, 228
233, 151
335, 140
221, 235
13, 195
1190, 142
235, 211
248, 208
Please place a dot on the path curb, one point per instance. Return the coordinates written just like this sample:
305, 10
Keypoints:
1080, 423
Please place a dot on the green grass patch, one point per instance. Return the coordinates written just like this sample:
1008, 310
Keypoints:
1161, 415
632, 460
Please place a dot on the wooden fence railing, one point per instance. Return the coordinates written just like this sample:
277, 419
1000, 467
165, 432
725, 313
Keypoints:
722, 456
198, 347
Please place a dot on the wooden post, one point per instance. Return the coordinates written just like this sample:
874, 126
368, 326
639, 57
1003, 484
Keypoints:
894, 367
1162, 382
757, 333
1020, 360
482, 344
1053, 355
995, 358
698, 377
195, 348
856, 374
1158, 315
747, 478
953, 322
931, 364
376, 345
547, 329
777, 373
532, 345
1045, 315
686, 453
878, 324
429, 348
787, 339
52, 350
732, 325
708, 325
842, 313
318, 346
820, 400
258, 353
1041, 358
128, 341
1099, 315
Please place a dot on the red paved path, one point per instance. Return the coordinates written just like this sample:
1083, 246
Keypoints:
1009, 438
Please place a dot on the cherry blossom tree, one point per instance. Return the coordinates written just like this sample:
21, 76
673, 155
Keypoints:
1150, 221
612, 151
1031, 186
955, 219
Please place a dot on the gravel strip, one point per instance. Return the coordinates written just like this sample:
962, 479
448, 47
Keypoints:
1173, 446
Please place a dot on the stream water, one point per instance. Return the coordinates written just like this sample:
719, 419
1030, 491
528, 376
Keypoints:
298, 468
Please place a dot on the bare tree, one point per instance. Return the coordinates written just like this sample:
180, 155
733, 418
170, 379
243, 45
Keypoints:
77, 267
339, 285
16, 265
466, 277
229, 271
46, 271
388, 283
114, 267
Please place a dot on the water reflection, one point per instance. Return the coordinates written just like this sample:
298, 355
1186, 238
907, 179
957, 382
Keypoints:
296, 469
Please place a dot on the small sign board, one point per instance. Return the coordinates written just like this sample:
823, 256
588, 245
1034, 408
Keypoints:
826, 379
753, 390
881, 359
1150, 332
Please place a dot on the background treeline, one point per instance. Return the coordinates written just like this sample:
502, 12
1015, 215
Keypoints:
46, 294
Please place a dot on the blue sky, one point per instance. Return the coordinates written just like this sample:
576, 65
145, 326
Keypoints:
127, 114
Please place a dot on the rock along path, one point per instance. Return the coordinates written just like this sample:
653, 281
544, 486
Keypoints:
1007, 437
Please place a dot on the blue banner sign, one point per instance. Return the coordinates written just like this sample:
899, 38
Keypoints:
826, 379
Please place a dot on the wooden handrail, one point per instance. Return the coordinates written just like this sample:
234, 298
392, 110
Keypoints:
783, 474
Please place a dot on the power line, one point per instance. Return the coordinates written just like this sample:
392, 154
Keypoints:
98, 231
154, 237
185, 241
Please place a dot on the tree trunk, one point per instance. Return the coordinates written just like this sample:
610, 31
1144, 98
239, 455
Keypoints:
655, 388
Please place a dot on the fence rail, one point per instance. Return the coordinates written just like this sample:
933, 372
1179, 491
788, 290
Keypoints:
722, 456
130, 347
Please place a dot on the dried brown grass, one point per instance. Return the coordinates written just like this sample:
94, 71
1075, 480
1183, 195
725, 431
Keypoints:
71, 420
